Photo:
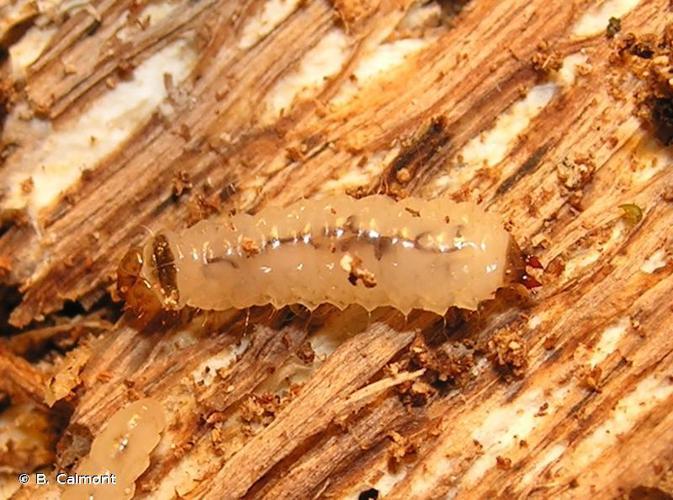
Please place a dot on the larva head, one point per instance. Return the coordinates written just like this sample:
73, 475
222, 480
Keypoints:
164, 271
134, 287
147, 278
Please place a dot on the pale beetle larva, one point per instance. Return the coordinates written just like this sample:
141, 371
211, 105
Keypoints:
122, 448
373, 251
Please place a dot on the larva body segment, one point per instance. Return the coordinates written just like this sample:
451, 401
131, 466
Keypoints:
372, 251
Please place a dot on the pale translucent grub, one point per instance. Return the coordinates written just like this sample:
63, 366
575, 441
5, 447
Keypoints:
374, 252
122, 448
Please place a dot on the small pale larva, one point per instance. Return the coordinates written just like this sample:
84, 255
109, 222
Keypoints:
123, 448
373, 251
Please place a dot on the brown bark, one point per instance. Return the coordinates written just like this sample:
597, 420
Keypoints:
566, 393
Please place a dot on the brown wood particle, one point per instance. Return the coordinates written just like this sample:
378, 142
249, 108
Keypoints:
614, 27
546, 60
259, 409
104, 376
509, 350
667, 195
181, 183
201, 206
574, 174
250, 247
415, 393
650, 59
503, 463
306, 352
356, 272
542, 410
403, 175
550, 342
556, 267
294, 154
402, 450
450, 362
5, 266
27, 186
184, 132
134, 394
592, 378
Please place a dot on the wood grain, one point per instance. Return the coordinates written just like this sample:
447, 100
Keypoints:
278, 404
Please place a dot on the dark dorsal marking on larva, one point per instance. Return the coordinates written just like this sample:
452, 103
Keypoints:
217, 259
381, 246
350, 234
164, 263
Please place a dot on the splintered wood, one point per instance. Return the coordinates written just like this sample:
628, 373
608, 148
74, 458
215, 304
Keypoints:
122, 119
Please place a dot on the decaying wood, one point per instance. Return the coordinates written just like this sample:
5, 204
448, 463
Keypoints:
562, 392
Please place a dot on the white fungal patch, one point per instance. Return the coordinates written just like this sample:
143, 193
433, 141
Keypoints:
595, 21
380, 61
323, 61
577, 263
123, 448
58, 161
373, 252
655, 262
361, 175
273, 13
151, 15
292, 371
27, 50
534, 321
388, 481
649, 159
480, 367
649, 393
206, 372
157, 12
421, 14
491, 147
349, 180
541, 463
608, 341
567, 75
502, 429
